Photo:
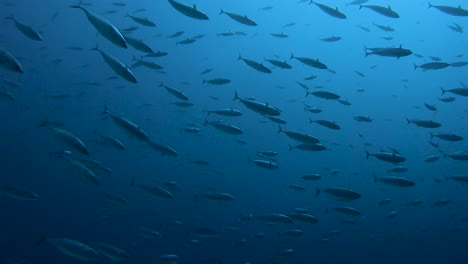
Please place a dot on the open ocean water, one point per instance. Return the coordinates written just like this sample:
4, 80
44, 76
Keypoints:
225, 132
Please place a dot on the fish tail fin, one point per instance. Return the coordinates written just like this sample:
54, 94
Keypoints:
106, 110
430, 133
408, 121
310, 121
206, 122
40, 241
132, 183
279, 129
443, 90
360, 6
375, 177
367, 154
195, 197
240, 57
429, 5
235, 96
317, 192
415, 66
43, 123
161, 84
221, 11
204, 81
292, 56
307, 93
445, 155
311, 1
290, 147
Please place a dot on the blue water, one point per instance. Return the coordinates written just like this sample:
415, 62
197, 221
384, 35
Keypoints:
68, 206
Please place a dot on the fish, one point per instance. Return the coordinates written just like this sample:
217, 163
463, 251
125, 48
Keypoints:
219, 197
202, 232
326, 123
274, 219
110, 251
224, 127
177, 34
117, 66
147, 64
148, 233
138, 44
292, 232
309, 147
430, 107
385, 28
459, 178
156, 54
128, 126
432, 66
112, 198
311, 177
431, 158
225, 112
424, 123
156, 191
387, 156
165, 150
277, 120
310, 77
450, 10
217, 81
341, 193
27, 30
447, 136
447, 99
9, 62
82, 170
347, 211
357, 2
104, 27
187, 41
398, 169
280, 64
279, 35
177, 93
74, 248
186, 10
18, 192
66, 137
313, 109
329, 10
259, 107
459, 64
388, 52
385, 202
144, 21
310, 62
239, 18
225, 34
366, 119
303, 218
205, 71
255, 65
364, 28
459, 155
267, 164
458, 91
6, 95
331, 39
324, 95
394, 181
299, 136
391, 215
456, 27
385, 11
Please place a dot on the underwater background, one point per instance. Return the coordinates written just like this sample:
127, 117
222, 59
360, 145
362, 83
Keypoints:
200, 191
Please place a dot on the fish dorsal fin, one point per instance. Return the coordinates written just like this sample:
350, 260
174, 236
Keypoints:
245, 16
393, 153
459, 7
336, 8
400, 46
389, 8
318, 60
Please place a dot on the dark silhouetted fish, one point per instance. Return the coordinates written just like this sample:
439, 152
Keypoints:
310, 62
385, 11
255, 65
239, 18
329, 10
192, 12
450, 10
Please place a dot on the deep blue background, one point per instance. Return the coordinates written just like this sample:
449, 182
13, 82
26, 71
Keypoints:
69, 208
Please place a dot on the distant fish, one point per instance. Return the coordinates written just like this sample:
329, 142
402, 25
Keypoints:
187, 41
128, 126
450, 10
456, 27
387, 156
224, 127
66, 137
299, 136
432, 66
349, 211
447, 136
74, 248
243, 19
225, 112
331, 39
267, 164
329, 10
310, 62
357, 2
255, 65
103, 26
385, 11
144, 21
423, 123
280, 64
326, 123
341, 193
27, 30
388, 52
110, 251
259, 107
205, 71
138, 44
156, 54
117, 66
177, 34
217, 81
274, 219
165, 150
363, 119
309, 147
177, 93
192, 12
394, 181
18, 192
156, 191
324, 95
9, 62
279, 35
